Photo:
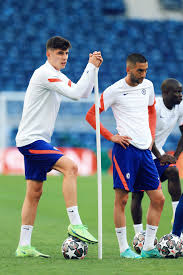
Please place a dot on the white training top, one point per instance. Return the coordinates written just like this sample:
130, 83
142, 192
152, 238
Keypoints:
43, 98
166, 120
130, 108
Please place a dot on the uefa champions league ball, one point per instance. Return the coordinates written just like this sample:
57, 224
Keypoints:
138, 241
170, 246
73, 248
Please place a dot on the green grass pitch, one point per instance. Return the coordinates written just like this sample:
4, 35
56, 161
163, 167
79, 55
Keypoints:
50, 231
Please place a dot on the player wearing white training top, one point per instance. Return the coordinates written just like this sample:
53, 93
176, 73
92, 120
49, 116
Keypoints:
41, 105
169, 113
132, 102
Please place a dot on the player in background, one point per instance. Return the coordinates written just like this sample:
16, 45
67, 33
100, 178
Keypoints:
41, 105
169, 113
133, 167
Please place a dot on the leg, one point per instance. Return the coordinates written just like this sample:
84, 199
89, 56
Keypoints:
32, 197
178, 222
153, 216
29, 210
136, 210
121, 198
174, 186
69, 188
157, 200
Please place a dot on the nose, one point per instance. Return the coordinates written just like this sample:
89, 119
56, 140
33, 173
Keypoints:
144, 74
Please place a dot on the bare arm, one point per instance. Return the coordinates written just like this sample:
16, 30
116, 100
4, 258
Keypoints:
179, 148
164, 159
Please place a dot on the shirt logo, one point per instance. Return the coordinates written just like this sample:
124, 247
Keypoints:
128, 175
143, 91
125, 94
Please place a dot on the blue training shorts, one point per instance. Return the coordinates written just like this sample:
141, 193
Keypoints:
39, 158
134, 169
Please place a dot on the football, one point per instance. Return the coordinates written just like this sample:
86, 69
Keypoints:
138, 241
170, 246
73, 248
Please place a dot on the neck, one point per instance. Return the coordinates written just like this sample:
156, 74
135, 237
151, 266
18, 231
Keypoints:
128, 81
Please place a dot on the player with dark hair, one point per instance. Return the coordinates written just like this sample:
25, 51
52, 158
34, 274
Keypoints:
131, 98
169, 113
41, 105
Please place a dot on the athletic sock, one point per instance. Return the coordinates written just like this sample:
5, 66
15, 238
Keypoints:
25, 235
73, 215
138, 228
178, 221
150, 237
122, 239
174, 206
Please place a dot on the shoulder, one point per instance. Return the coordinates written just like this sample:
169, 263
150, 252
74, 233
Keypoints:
147, 83
114, 86
43, 73
40, 72
180, 108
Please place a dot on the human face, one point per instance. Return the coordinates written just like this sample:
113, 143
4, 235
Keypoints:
136, 73
57, 58
175, 94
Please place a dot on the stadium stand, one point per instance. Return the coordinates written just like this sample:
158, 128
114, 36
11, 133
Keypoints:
89, 25
172, 4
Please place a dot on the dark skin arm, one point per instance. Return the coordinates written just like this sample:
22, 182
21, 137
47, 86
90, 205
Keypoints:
179, 148
164, 159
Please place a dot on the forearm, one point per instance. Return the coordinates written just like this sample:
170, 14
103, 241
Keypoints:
152, 120
179, 148
90, 118
156, 151
82, 88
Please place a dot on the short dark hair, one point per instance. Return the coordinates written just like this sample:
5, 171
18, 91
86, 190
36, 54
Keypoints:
136, 57
58, 42
169, 84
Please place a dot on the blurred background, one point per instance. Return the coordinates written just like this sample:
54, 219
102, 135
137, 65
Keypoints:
117, 28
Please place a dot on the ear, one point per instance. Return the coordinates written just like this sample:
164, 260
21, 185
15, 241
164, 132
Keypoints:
48, 53
128, 69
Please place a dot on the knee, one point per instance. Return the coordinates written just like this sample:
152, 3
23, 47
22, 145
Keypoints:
137, 196
173, 173
72, 170
35, 195
121, 203
38, 194
159, 201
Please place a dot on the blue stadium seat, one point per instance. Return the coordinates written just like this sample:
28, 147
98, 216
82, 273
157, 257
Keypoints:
89, 25
172, 4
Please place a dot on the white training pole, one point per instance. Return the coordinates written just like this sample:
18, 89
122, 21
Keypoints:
99, 173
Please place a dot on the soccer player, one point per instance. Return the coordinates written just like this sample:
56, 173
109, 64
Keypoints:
169, 113
133, 167
41, 105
